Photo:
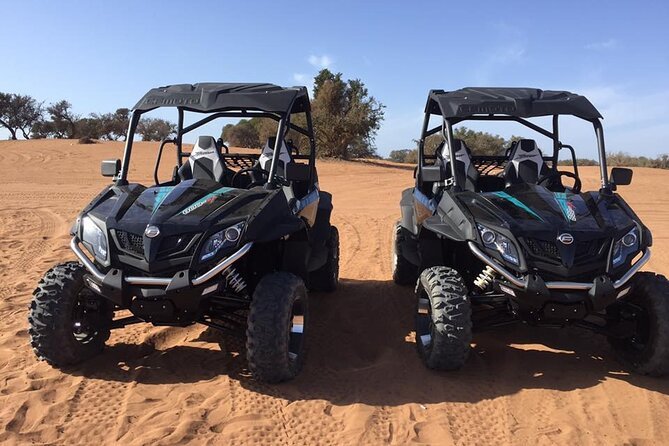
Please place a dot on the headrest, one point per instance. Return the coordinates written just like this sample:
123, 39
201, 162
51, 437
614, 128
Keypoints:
528, 146
268, 152
460, 149
204, 144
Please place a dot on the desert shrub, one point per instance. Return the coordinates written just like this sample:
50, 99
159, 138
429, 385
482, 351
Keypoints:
87, 140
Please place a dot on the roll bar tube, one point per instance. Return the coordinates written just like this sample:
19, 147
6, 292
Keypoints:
282, 119
603, 171
125, 165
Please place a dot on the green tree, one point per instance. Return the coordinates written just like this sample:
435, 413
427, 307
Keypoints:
113, 126
61, 124
481, 143
155, 129
404, 156
242, 134
346, 118
89, 128
19, 113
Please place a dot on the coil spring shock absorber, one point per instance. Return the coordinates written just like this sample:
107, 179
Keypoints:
485, 278
234, 280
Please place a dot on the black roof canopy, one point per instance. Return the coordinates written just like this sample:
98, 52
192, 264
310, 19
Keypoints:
520, 102
213, 97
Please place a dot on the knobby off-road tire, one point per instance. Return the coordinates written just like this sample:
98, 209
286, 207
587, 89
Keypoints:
647, 352
326, 277
277, 327
68, 322
443, 319
404, 272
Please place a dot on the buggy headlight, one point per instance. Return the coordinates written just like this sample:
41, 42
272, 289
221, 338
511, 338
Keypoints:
624, 246
500, 243
94, 238
226, 238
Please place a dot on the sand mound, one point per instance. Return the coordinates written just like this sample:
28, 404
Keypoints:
363, 382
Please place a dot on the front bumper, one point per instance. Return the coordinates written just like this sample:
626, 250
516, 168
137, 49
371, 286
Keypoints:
536, 295
167, 300
522, 282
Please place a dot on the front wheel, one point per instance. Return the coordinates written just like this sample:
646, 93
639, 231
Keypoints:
277, 326
68, 322
443, 319
646, 310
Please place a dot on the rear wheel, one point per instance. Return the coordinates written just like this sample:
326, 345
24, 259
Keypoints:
326, 277
443, 319
68, 322
404, 272
276, 328
646, 309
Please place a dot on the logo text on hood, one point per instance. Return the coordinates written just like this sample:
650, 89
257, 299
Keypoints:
206, 200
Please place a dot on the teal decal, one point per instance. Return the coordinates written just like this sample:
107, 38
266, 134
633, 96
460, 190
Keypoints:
209, 198
519, 204
566, 206
160, 194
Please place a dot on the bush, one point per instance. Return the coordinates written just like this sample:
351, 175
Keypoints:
87, 140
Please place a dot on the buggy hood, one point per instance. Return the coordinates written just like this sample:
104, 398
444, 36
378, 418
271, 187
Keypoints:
187, 214
536, 217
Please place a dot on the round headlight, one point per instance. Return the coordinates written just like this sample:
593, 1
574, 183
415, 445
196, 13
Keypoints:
488, 237
232, 234
629, 239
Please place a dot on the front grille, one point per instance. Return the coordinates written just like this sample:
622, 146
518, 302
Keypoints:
130, 242
586, 251
543, 248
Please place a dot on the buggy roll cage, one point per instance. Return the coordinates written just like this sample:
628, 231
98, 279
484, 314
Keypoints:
510, 104
277, 110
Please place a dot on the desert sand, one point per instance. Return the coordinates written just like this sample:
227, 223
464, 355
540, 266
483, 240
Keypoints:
363, 382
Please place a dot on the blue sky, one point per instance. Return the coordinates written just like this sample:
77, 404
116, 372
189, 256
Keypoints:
105, 55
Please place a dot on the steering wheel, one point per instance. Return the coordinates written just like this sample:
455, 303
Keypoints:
562, 173
251, 173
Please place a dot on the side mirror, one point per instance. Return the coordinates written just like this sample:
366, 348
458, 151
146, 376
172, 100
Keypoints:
110, 168
621, 176
432, 174
297, 172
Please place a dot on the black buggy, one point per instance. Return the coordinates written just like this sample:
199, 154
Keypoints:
492, 240
232, 241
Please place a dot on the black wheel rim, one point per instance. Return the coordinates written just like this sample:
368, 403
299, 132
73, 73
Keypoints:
86, 316
297, 330
638, 342
423, 322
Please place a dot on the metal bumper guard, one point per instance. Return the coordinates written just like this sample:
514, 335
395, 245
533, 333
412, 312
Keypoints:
566, 286
160, 281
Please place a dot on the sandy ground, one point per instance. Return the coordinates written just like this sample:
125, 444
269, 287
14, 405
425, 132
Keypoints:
363, 382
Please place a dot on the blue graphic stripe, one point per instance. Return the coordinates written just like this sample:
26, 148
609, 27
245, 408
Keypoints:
519, 204
161, 194
429, 203
306, 201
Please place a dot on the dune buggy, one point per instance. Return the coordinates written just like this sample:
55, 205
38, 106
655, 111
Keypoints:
492, 240
232, 240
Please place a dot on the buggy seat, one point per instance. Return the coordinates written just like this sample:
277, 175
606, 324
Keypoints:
526, 164
267, 153
205, 162
467, 174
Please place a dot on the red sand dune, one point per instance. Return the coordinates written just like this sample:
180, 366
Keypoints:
363, 382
